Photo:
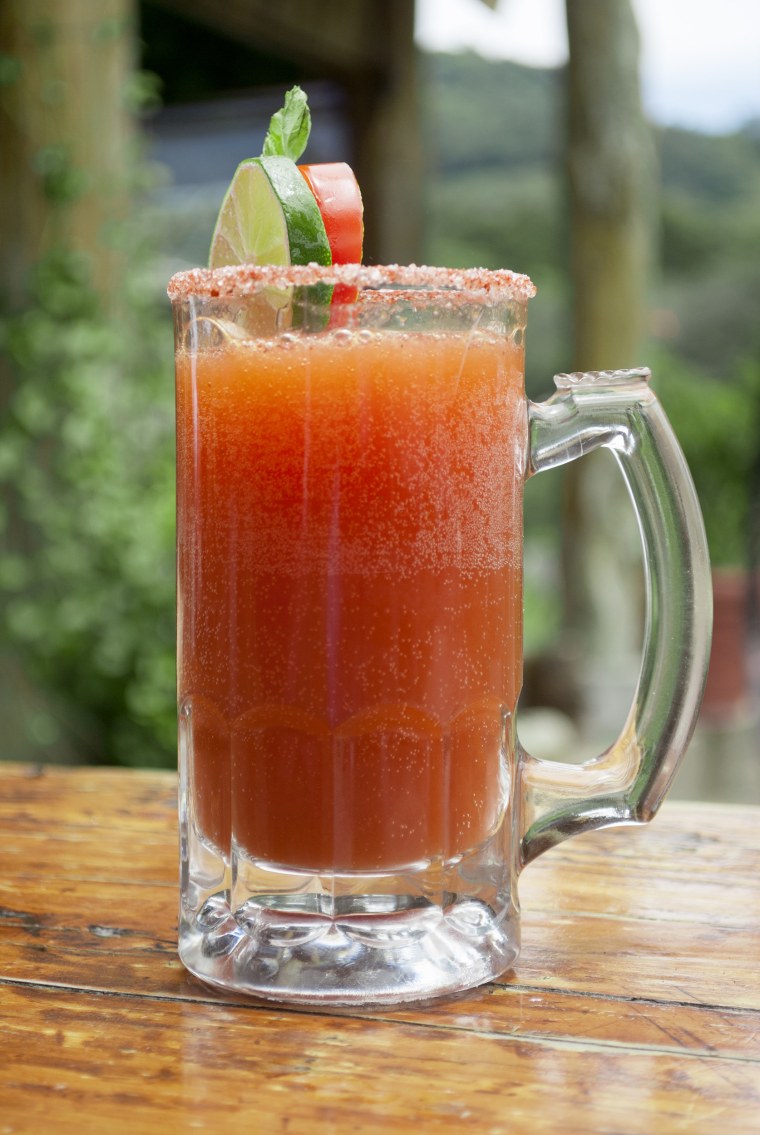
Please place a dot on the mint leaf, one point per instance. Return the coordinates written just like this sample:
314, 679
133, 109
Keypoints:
289, 128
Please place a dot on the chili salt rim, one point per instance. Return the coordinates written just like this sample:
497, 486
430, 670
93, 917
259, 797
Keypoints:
246, 279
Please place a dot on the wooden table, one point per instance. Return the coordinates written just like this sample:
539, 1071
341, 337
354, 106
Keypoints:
635, 1006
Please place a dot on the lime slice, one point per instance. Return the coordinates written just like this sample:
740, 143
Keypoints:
269, 216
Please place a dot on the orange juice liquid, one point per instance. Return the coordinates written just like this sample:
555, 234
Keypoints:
349, 566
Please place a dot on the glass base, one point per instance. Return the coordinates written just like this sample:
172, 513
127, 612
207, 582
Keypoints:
426, 930
376, 957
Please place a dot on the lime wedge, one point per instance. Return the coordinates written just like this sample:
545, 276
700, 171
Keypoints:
269, 216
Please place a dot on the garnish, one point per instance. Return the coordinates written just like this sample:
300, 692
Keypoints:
275, 212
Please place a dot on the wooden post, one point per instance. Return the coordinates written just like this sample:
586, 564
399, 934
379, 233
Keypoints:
389, 151
610, 174
65, 149
65, 133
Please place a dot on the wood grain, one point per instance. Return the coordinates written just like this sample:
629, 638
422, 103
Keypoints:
634, 1007
134, 1064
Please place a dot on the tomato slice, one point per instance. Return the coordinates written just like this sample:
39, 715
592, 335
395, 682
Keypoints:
340, 202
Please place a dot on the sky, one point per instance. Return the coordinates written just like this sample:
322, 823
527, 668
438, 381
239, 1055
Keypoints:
700, 59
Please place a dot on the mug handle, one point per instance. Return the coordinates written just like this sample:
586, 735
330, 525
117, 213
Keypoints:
617, 410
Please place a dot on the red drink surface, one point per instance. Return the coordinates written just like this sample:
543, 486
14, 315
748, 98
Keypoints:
350, 597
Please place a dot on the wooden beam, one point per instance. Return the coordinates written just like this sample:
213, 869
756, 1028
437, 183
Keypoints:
340, 37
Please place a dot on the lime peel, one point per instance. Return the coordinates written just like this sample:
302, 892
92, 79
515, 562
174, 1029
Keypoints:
269, 216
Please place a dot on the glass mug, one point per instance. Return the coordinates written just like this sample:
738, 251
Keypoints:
352, 445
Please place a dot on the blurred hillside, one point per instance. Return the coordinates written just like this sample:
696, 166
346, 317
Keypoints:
496, 197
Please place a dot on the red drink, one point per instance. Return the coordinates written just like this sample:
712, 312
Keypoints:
349, 532
354, 807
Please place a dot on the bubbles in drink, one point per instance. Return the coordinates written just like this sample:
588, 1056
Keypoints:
350, 582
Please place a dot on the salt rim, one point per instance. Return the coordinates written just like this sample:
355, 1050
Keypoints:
247, 279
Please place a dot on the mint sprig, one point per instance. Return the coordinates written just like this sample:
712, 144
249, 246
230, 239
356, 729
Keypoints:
289, 128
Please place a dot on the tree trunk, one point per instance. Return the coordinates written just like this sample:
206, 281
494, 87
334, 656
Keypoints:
65, 133
66, 145
611, 178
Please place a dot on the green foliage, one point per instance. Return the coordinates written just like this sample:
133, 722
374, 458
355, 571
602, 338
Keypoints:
495, 197
714, 318
485, 115
483, 216
713, 170
86, 465
687, 242
710, 227
495, 191
718, 426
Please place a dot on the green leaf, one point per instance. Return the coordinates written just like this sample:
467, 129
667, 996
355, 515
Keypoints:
289, 128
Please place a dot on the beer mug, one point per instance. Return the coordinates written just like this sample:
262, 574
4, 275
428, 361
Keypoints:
352, 446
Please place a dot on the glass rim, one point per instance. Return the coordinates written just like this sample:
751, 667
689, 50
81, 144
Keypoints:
241, 280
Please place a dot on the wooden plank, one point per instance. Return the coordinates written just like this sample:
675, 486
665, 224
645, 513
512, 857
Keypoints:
97, 854
103, 934
677, 963
556, 957
616, 914
649, 873
87, 794
338, 35
509, 1010
594, 879
634, 1005
691, 862
125, 1064
121, 938
53, 798
685, 848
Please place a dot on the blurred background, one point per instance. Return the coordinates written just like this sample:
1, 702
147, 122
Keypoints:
608, 148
